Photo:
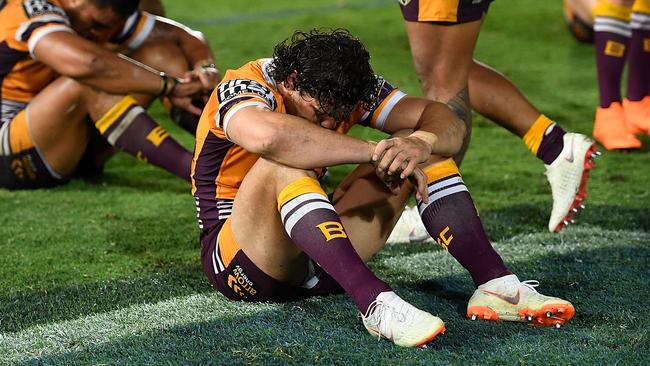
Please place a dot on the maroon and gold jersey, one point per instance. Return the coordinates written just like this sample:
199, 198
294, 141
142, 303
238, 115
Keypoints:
23, 23
220, 165
444, 11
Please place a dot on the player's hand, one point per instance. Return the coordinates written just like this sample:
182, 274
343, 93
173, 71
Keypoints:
400, 156
182, 95
417, 177
209, 77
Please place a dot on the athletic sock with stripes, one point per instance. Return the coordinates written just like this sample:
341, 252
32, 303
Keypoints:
639, 56
452, 220
128, 127
314, 226
611, 36
545, 139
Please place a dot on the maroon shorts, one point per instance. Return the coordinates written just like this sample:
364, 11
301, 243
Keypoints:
21, 164
444, 11
233, 274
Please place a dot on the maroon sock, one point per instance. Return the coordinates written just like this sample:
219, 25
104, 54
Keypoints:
314, 226
135, 132
552, 144
452, 220
611, 37
639, 57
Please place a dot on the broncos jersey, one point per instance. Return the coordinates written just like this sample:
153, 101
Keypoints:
23, 23
220, 165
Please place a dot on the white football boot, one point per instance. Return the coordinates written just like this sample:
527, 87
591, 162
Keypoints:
392, 318
409, 228
505, 298
568, 176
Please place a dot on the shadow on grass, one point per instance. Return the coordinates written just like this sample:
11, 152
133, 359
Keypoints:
608, 286
528, 218
28, 309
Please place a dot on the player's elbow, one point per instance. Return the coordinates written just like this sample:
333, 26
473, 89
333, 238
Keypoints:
271, 143
264, 141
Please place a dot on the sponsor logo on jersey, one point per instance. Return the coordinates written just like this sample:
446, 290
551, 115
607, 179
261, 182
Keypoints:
34, 8
230, 89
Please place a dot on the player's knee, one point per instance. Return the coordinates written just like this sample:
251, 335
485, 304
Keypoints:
74, 90
162, 56
272, 171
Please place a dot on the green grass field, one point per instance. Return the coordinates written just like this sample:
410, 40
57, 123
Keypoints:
107, 271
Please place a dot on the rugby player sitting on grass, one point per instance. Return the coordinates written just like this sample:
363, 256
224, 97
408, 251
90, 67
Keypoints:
58, 67
270, 233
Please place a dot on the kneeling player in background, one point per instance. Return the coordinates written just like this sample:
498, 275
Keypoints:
43, 122
270, 233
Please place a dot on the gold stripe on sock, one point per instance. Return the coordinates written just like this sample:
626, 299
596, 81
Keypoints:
605, 8
533, 138
114, 114
300, 186
441, 170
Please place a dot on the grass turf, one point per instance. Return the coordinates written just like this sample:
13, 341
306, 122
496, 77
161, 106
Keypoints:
107, 272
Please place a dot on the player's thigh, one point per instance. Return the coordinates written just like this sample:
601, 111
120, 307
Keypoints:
21, 163
232, 272
442, 56
56, 122
256, 223
368, 209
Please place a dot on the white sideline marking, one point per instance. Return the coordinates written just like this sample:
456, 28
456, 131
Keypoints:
76, 335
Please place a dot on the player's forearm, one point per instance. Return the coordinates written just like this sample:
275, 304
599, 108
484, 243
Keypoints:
295, 142
441, 128
118, 75
82, 60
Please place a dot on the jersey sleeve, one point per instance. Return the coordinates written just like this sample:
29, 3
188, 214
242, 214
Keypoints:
136, 30
233, 95
39, 19
387, 97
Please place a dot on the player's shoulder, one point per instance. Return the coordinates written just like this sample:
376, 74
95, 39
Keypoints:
37, 8
251, 79
19, 12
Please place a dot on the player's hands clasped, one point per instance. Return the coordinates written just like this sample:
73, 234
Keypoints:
208, 76
183, 93
397, 158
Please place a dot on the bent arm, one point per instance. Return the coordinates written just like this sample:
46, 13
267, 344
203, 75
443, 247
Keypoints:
73, 56
430, 121
294, 141
192, 43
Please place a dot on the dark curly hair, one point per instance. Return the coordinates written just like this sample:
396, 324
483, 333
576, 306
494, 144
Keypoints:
332, 66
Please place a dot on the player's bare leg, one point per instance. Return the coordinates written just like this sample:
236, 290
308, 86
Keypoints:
56, 121
163, 56
443, 56
308, 227
495, 97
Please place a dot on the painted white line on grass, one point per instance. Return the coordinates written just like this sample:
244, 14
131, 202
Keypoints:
93, 330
